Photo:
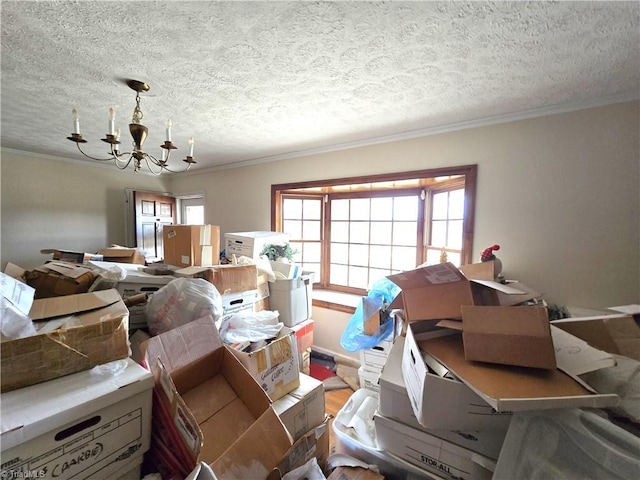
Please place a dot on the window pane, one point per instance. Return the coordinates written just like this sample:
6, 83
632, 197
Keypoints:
360, 208
381, 233
405, 208
293, 228
312, 267
380, 256
312, 210
456, 204
405, 233
438, 234
298, 250
339, 274
359, 255
382, 208
312, 252
377, 274
311, 230
433, 256
339, 231
339, 253
194, 214
359, 277
340, 210
359, 232
404, 258
455, 234
440, 210
454, 258
292, 208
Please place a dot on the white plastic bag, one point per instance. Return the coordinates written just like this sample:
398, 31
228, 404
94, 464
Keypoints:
250, 327
181, 301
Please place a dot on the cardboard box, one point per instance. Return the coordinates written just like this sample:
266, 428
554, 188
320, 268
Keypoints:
72, 256
394, 403
430, 452
54, 279
439, 291
506, 335
504, 387
75, 332
354, 473
303, 408
226, 278
233, 303
276, 365
122, 255
369, 379
136, 283
619, 334
292, 298
84, 425
191, 245
373, 359
251, 244
313, 444
215, 407
304, 334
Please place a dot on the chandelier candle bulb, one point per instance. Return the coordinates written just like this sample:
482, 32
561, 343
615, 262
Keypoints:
76, 121
169, 130
191, 141
112, 121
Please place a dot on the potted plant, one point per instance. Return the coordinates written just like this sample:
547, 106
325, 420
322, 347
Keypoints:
278, 252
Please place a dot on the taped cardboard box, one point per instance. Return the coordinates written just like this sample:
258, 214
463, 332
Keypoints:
72, 256
226, 278
122, 255
504, 387
54, 279
75, 333
222, 416
312, 444
439, 291
191, 245
81, 426
275, 366
303, 408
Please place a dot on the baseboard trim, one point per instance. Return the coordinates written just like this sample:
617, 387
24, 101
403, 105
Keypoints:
337, 357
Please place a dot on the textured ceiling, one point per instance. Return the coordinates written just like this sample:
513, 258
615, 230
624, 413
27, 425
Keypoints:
254, 81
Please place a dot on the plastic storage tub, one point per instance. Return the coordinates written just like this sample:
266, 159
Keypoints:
567, 444
354, 434
292, 298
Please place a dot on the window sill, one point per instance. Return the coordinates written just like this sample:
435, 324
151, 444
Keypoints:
342, 302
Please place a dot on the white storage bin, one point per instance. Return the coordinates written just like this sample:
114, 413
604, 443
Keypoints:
250, 244
567, 444
355, 434
369, 380
292, 298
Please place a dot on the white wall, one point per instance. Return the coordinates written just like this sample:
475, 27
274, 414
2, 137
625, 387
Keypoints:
58, 204
560, 194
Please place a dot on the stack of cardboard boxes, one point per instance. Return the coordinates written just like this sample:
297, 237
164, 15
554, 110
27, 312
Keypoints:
76, 405
472, 356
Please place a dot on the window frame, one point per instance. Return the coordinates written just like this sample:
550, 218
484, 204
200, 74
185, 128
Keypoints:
469, 172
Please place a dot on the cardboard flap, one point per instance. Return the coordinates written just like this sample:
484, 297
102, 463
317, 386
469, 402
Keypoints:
440, 274
577, 357
66, 305
500, 287
183, 345
117, 252
479, 271
452, 324
67, 269
513, 388
618, 334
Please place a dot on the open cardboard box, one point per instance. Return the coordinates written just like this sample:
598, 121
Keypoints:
439, 291
122, 255
504, 387
74, 333
60, 278
618, 334
506, 335
222, 415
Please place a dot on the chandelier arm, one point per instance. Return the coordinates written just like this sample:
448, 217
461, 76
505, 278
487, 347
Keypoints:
178, 171
153, 161
122, 165
94, 158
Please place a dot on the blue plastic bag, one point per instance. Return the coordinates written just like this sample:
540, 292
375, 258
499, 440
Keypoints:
381, 294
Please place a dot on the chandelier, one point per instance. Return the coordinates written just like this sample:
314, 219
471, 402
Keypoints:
139, 133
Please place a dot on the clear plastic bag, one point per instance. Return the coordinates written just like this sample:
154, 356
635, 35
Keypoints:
381, 294
181, 301
250, 327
